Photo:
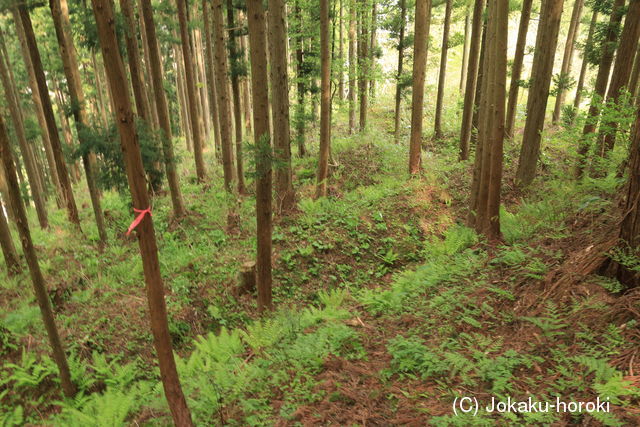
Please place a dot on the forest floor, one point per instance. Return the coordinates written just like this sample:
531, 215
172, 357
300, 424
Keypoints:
388, 308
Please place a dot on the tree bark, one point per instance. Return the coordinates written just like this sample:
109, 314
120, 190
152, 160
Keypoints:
630, 224
635, 74
18, 125
546, 41
325, 102
621, 72
583, 69
221, 73
60, 14
372, 47
567, 58
259, 83
465, 49
61, 167
8, 249
352, 66
29, 251
443, 70
280, 104
162, 109
235, 93
516, 68
485, 206
472, 79
341, 50
600, 86
396, 120
211, 87
420, 49
37, 102
194, 116
363, 66
117, 80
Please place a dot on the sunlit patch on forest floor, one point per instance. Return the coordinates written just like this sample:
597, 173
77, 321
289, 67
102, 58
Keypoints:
387, 306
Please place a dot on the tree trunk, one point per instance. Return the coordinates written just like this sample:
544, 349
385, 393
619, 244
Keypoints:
29, 251
259, 82
352, 66
162, 109
600, 86
443, 70
211, 86
18, 125
403, 23
60, 14
185, 124
542, 69
372, 47
37, 102
341, 51
583, 69
147, 64
567, 58
61, 167
420, 48
363, 66
635, 74
235, 92
133, 57
621, 72
485, 206
11, 259
117, 80
194, 116
472, 79
325, 102
102, 104
221, 73
630, 224
465, 49
280, 104
516, 68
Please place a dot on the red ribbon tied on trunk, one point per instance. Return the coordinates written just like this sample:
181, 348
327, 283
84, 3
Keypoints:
139, 218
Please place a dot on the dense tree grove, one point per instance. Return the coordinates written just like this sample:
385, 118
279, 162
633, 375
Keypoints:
257, 150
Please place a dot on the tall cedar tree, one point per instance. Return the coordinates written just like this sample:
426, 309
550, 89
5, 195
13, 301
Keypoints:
52, 127
11, 259
125, 120
403, 23
209, 66
18, 125
629, 233
443, 70
635, 75
325, 101
62, 24
235, 93
37, 102
472, 79
222, 87
420, 46
546, 41
487, 177
585, 62
136, 72
280, 104
192, 100
162, 108
39, 286
567, 58
465, 49
516, 68
602, 79
262, 131
621, 72
352, 66
363, 64
300, 86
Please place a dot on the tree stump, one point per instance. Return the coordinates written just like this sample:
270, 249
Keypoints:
246, 278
